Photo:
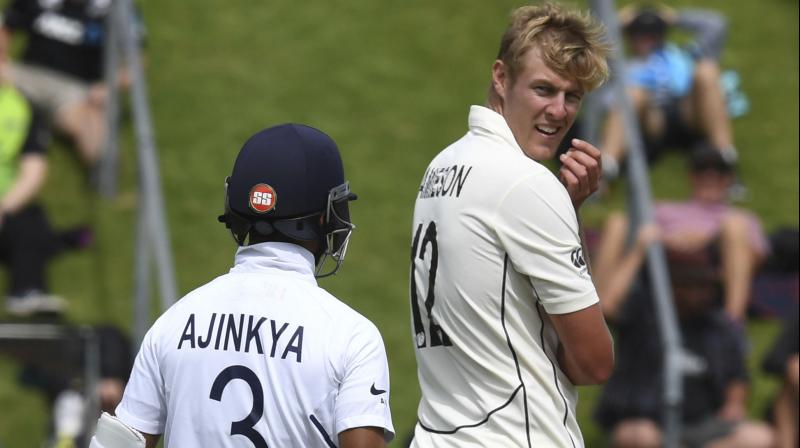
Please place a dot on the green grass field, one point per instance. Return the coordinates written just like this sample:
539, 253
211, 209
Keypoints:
392, 83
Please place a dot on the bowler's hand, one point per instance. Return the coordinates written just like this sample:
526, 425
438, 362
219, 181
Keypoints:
580, 171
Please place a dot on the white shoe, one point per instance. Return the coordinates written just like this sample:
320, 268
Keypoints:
35, 302
68, 413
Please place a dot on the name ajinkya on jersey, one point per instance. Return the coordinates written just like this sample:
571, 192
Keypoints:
234, 331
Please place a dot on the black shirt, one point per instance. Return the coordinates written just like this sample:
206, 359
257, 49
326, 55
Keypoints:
63, 35
715, 358
38, 137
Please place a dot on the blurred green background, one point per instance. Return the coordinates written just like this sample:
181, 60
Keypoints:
391, 82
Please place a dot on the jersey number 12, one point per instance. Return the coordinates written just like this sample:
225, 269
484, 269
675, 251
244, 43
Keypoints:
418, 251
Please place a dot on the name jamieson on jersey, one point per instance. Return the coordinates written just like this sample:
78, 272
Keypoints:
445, 181
229, 332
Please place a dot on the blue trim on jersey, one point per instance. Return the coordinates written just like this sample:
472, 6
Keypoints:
322, 431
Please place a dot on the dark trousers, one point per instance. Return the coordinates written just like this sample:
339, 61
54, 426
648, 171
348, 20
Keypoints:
27, 242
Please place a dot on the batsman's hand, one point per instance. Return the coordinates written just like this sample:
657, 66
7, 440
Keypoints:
580, 172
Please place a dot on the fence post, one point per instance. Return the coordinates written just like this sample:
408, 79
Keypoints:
152, 231
642, 213
107, 169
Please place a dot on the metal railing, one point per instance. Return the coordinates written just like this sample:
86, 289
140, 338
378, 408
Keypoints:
17, 334
152, 233
641, 212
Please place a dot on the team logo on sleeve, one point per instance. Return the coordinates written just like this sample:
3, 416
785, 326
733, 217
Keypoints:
262, 198
577, 259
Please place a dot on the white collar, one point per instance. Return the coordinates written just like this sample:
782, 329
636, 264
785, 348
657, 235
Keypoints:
275, 257
491, 122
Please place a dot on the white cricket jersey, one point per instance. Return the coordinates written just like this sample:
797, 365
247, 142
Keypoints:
495, 249
259, 357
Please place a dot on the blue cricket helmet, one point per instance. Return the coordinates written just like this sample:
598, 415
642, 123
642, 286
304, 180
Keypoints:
289, 179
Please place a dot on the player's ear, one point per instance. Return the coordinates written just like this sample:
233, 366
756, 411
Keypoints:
500, 78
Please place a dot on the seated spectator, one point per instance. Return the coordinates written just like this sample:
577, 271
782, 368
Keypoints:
61, 67
783, 361
56, 369
676, 91
704, 223
714, 372
27, 242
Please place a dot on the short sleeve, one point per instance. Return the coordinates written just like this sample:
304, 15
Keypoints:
37, 138
143, 405
363, 398
537, 227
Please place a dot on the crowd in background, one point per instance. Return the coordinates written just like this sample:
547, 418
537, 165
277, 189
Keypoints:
716, 251
53, 88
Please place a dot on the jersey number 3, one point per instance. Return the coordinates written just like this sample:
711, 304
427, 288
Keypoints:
245, 426
418, 251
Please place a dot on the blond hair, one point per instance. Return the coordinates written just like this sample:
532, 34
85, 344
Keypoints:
572, 44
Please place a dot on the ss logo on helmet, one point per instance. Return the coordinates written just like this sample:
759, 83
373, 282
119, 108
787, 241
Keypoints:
262, 198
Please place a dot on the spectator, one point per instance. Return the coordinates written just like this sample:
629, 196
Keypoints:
61, 67
676, 91
783, 361
56, 369
714, 375
23, 226
27, 241
704, 223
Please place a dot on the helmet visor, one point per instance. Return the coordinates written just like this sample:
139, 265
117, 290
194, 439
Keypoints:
338, 230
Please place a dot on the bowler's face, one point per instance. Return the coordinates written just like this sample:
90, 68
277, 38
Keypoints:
539, 105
